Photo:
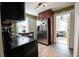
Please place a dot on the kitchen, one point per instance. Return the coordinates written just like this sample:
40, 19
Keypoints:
16, 44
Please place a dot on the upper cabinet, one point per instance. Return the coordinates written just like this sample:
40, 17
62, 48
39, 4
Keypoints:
45, 14
12, 10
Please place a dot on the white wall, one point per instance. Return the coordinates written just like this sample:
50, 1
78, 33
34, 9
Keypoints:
32, 24
32, 27
1, 44
71, 30
76, 29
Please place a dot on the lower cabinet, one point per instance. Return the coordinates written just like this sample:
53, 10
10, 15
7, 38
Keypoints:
26, 50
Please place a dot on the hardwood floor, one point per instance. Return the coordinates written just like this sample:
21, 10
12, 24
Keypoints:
56, 50
62, 40
43, 40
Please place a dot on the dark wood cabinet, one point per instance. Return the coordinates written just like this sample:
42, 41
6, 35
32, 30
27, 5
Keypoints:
48, 15
26, 50
12, 10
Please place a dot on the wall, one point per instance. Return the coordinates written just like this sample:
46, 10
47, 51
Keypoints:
65, 9
78, 27
14, 27
76, 30
78, 44
32, 24
71, 31
1, 44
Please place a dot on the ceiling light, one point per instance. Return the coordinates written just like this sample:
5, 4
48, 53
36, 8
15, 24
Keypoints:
44, 4
41, 5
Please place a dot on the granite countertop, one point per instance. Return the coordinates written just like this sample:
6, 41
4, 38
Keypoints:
21, 40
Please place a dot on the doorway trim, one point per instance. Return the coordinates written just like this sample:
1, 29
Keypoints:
64, 12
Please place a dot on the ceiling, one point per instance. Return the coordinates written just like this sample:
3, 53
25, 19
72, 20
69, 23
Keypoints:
30, 7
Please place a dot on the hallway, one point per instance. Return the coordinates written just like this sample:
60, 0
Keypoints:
56, 50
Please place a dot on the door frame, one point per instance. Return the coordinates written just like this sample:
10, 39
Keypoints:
68, 26
63, 12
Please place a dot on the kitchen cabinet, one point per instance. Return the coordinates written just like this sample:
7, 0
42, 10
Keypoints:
20, 46
48, 16
12, 10
27, 50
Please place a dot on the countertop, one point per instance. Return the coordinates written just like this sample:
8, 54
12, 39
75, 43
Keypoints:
21, 40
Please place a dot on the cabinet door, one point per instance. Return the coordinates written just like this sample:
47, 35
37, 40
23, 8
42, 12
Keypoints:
31, 49
12, 10
26, 50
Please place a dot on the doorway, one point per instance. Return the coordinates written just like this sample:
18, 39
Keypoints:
62, 28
